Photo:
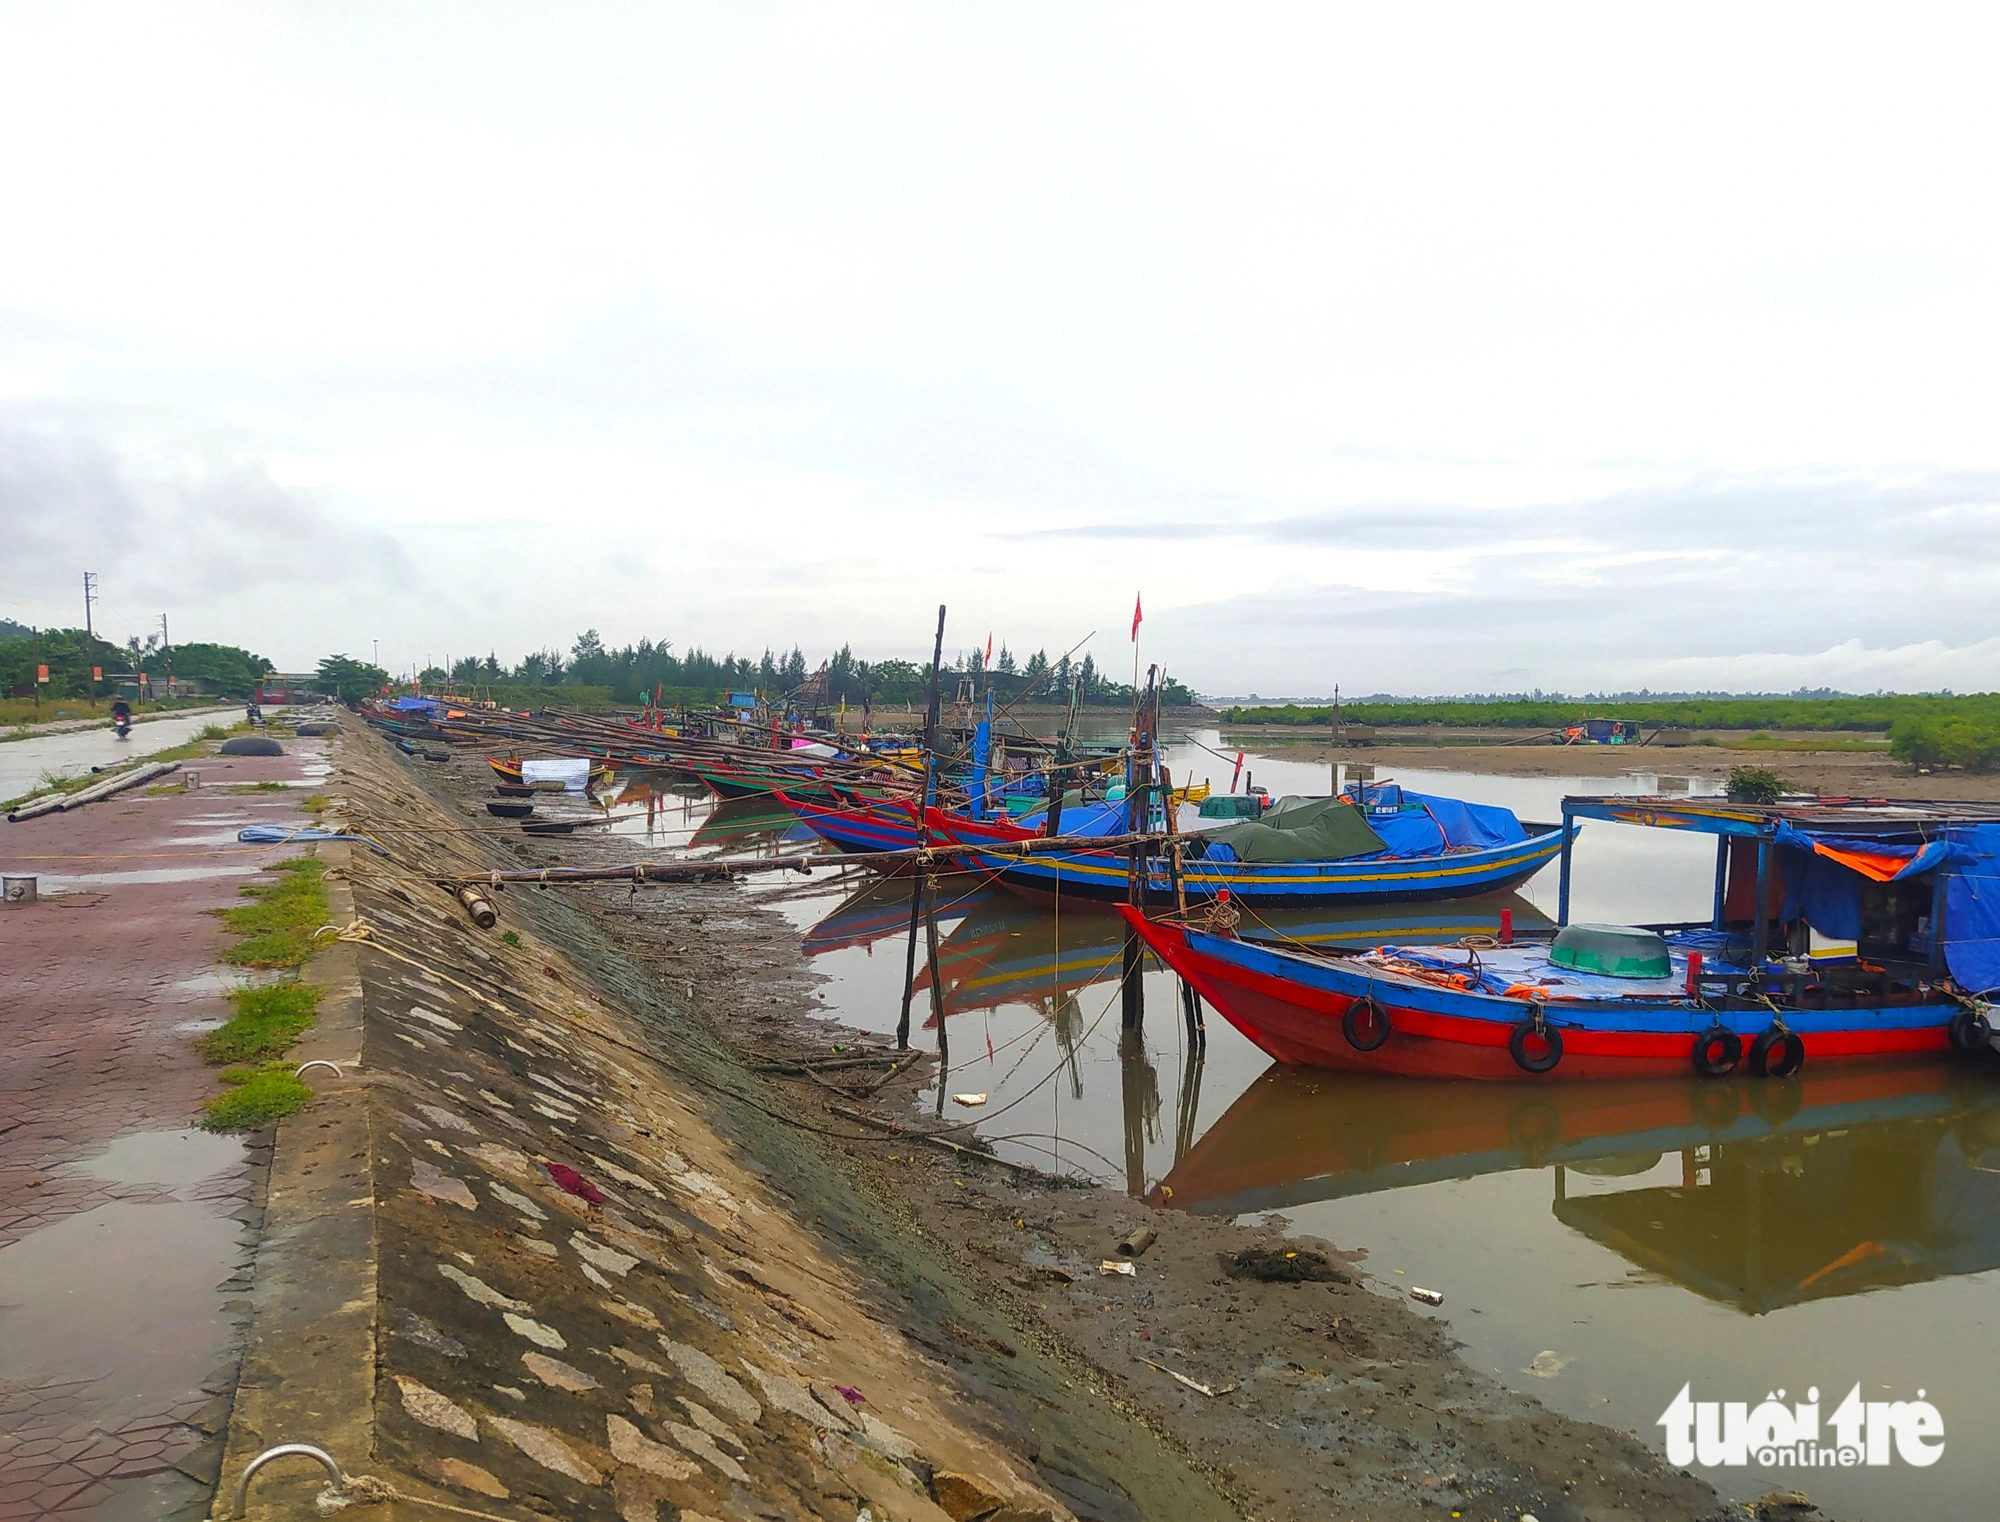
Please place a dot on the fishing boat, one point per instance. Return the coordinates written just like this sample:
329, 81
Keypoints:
733, 780
1841, 931
1598, 732
1009, 951
510, 769
858, 827
1377, 845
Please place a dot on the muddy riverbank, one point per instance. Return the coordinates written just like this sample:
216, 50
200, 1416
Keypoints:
1833, 772
1195, 1386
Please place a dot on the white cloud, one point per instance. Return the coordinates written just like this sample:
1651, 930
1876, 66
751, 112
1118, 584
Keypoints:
1398, 347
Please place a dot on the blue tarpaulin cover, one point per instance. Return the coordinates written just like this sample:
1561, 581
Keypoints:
1424, 825
1826, 892
1972, 908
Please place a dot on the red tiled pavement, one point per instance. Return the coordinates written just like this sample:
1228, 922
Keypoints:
118, 1256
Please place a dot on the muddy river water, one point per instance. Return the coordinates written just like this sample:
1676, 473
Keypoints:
1599, 1246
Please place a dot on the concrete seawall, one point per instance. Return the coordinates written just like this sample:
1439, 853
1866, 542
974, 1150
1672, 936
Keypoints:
547, 1247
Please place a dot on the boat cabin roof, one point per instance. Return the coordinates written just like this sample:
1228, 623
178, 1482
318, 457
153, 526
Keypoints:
1810, 816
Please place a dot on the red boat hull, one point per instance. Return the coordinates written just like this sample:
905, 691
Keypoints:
1295, 1022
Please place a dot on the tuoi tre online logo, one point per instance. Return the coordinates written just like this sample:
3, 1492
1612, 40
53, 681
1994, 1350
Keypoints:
1776, 1436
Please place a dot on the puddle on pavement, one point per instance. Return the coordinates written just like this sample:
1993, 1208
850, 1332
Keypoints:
125, 1293
218, 985
168, 1159
1841, 1229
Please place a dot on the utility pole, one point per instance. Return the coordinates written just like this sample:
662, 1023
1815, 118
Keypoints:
167, 654
89, 596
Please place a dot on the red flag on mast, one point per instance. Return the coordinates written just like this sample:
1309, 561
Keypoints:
989, 649
1136, 616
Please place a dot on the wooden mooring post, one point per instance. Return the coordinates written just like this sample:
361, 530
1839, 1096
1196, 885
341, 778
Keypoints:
923, 840
1138, 798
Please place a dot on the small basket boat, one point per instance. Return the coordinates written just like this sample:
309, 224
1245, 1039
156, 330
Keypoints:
510, 808
513, 790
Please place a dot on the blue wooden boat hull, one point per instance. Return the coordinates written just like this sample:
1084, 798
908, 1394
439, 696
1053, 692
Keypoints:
1103, 876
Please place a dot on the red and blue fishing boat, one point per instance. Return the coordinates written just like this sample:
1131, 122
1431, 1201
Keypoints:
1842, 931
1379, 845
860, 827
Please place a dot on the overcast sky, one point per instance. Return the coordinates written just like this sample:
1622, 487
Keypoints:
1424, 349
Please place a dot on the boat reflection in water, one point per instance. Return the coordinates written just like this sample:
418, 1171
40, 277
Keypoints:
1006, 952
750, 826
669, 803
1756, 1194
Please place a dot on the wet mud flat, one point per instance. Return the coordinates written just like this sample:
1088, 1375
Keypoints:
1828, 773
1236, 1371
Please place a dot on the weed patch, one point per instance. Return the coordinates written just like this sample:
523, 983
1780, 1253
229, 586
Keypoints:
260, 787
278, 926
268, 1021
319, 803
198, 746
255, 1097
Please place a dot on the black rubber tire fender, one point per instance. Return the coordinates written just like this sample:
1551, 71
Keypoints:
1969, 1030
1717, 1050
1777, 1053
1535, 1062
1378, 1029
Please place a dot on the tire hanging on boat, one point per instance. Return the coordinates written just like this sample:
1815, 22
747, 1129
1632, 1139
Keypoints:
1717, 1050
1777, 1053
1969, 1029
1366, 1039
1535, 1027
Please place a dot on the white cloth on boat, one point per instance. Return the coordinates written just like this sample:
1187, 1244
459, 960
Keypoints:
573, 772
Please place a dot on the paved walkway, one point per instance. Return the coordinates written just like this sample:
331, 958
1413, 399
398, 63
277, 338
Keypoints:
102, 720
123, 1229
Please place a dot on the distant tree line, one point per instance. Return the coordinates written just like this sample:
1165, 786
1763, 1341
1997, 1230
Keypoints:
634, 672
1924, 729
71, 654
1875, 713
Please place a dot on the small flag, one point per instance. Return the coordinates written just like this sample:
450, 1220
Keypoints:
989, 649
1136, 616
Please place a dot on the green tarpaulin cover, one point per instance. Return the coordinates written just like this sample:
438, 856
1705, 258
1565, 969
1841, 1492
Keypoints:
1311, 829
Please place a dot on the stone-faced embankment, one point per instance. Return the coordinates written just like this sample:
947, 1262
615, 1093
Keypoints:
547, 1248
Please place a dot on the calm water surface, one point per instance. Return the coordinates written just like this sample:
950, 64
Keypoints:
1597, 1245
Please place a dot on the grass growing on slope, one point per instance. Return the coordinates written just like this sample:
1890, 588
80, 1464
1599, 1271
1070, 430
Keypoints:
279, 925
255, 1097
268, 1021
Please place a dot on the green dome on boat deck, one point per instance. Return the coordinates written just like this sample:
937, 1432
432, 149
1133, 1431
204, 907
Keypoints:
1614, 951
